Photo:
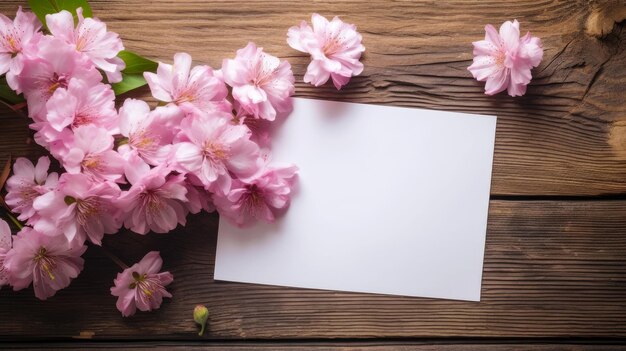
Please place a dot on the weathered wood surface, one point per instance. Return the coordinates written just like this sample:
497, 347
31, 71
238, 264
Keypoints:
319, 346
552, 268
566, 136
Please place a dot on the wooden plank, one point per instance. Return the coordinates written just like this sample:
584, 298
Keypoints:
552, 269
318, 346
567, 136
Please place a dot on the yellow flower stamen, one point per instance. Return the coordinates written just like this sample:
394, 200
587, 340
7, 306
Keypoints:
13, 44
45, 262
53, 87
148, 286
90, 162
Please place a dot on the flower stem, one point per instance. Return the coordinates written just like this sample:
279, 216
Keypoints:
15, 221
17, 108
114, 258
202, 330
12, 218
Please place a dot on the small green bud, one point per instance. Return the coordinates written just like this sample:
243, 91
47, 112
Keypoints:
69, 200
122, 141
200, 316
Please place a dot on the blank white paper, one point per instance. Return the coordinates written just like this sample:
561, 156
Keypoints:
388, 200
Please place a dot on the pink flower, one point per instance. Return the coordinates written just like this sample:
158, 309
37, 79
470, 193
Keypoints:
80, 208
15, 37
198, 199
155, 200
50, 263
27, 183
142, 286
5, 245
52, 67
258, 197
191, 89
504, 59
260, 129
92, 154
335, 48
215, 148
82, 104
149, 133
91, 38
57, 142
261, 83
78, 105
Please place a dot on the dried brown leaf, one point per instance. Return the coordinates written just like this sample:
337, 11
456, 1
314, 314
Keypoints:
3, 203
5, 173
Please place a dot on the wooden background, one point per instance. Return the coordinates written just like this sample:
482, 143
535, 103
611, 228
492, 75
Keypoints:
555, 261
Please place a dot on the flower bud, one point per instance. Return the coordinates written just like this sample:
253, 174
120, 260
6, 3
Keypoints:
200, 316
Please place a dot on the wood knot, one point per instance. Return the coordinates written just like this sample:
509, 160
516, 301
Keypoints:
604, 16
85, 334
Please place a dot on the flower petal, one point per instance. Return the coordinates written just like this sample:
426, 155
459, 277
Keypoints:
509, 32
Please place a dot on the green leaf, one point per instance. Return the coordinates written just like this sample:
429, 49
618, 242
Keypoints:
72, 5
41, 8
129, 82
136, 64
132, 75
8, 95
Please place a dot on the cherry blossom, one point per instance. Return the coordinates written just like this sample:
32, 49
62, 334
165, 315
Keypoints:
335, 48
27, 183
216, 148
80, 208
155, 200
262, 84
258, 197
504, 60
52, 67
142, 286
192, 89
48, 262
149, 133
16, 37
92, 154
82, 104
90, 37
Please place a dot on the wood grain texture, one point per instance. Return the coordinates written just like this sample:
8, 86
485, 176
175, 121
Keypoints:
317, 346
567, 136
552, 269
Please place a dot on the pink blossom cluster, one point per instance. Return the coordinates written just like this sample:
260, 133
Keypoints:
205, 147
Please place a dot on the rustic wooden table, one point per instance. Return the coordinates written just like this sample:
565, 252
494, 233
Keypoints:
555, 261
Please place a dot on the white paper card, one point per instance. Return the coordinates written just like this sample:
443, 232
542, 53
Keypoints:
389, 200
